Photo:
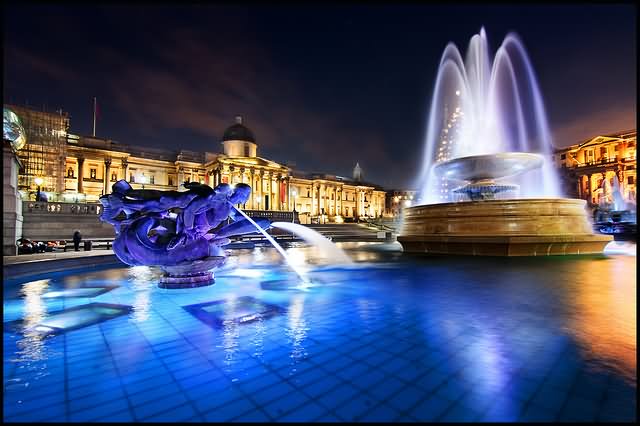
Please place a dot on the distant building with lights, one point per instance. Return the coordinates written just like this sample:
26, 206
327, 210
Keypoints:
82, 168
584, 166
397, 200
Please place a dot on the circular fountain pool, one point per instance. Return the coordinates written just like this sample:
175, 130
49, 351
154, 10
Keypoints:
391, 337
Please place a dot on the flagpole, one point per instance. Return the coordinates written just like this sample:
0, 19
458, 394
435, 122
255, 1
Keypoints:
94, 116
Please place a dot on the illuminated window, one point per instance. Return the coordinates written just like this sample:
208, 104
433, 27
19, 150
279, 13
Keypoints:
630, 180
93, 173
70, 173
114, 176
152, 179
170, 180
132, 178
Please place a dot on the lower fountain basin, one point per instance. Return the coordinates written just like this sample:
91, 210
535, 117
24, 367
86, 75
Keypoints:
517, 227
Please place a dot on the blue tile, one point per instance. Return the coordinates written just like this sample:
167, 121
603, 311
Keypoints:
380, 413
154, 393
158, 406
99, 412
338, 395
183, 412
459, 412
304, 413
95, 400
285, 403
231, 410
431, 380
321, 386
430, 409
266, 395
503, 409
406, 398
355, 407
252, 416
453, 389
536, 413
38, 415
386, 388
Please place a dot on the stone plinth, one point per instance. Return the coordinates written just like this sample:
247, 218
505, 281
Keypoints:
519, 227
197, 273
11, 201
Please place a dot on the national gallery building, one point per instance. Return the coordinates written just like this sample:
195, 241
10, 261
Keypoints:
72, 168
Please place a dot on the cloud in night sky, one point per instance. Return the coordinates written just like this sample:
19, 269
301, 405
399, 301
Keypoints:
320, 90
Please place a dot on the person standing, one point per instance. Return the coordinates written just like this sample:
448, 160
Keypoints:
77, 237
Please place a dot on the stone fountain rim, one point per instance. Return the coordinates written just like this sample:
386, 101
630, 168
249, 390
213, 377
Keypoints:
500, 201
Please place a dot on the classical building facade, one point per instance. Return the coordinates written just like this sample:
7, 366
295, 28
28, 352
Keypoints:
82, 168
584, 166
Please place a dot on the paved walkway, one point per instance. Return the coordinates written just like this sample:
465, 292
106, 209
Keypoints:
27, 258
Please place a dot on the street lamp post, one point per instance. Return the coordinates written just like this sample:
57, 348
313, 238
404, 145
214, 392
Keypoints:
143, 180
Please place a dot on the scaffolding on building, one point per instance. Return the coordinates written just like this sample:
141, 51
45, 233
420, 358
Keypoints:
44, 154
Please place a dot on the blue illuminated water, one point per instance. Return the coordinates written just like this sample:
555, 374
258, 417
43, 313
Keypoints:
391, 337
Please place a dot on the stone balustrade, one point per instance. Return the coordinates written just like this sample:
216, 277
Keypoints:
61, 208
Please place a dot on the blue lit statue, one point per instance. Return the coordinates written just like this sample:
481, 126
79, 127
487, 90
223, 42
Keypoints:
183, 232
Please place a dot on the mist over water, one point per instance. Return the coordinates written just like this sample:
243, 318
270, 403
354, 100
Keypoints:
486, 106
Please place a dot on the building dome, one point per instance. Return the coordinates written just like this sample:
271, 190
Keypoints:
238, 132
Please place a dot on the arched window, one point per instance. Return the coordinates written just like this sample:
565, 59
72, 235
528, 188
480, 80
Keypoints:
70, 172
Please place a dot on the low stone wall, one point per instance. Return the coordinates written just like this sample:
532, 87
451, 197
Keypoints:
58, 221
37, 269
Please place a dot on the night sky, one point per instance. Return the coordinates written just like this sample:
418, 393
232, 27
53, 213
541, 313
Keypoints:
321, 86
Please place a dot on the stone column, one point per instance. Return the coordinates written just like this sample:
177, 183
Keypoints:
180, 178
80, 174
252, 183
107, 177
260, 189
125, 169
287, 193
268, 179
278, 192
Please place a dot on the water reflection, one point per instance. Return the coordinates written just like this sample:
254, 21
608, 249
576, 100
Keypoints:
142, 282
297, 329
32, 347
258, 338
230, 332
603, 313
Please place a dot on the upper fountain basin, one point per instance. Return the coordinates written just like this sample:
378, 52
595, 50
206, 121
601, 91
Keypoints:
489, 167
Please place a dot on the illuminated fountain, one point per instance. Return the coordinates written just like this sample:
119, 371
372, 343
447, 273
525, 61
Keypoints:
184, 232
616, 215
488, 186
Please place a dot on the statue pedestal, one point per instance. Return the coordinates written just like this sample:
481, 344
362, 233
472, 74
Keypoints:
197, 273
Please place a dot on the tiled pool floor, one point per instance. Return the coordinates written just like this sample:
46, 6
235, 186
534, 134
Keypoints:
402, 340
